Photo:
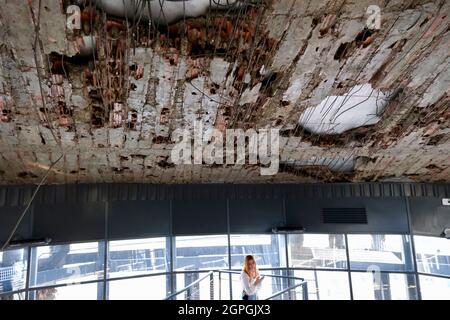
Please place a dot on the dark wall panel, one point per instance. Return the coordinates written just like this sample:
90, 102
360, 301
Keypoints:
386, 215
76, 222
77, 212
429, 216
8, 219
255, 216
138, 219
76, 193
199, 216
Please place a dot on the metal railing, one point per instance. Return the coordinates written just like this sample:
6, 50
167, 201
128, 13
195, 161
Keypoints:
292, 292
285, 287
189, 287
191, 291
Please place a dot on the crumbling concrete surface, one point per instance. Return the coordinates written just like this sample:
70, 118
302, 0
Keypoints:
353, 101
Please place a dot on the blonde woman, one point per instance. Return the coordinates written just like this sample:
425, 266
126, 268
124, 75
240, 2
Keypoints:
250, 279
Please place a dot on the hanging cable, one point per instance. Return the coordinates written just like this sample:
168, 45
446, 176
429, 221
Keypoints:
29, 203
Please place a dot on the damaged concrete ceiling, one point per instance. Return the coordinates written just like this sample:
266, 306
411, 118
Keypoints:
108, 96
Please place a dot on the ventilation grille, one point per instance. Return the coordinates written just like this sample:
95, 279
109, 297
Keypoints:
344, 215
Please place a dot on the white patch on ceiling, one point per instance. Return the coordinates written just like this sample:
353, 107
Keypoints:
219, 68
247, 78
161, 12
293, 92
250, 96
361, 106
338, 164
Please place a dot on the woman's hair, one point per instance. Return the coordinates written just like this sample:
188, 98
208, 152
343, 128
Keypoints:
246, 268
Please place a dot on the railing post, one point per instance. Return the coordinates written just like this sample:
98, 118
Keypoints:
305, 290
188, 294
290, 282
211, 286
220, 285
230, 278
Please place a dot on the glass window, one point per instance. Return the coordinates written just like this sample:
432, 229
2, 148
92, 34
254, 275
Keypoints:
136, 257
89, 291
13, 269
13, 296
200, 290
326, 285
380, 252
201, 252
383, 286
317, 251
433, 255
269, 250
66, 263
142, 288
223, 286
434, 288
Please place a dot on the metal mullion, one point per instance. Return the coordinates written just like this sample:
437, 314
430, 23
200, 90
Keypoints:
352, 270
288, 270
348, 266
191, 271
387, 271
317, 269
105, 270
27, 278
139, 276
286, 249
264, 269
433, 275
173, 272
413, 249
105, 253
172, 253
230, 282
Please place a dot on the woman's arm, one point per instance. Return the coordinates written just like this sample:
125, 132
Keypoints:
258, 283
248, 285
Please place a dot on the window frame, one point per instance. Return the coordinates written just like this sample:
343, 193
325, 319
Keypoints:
172, 273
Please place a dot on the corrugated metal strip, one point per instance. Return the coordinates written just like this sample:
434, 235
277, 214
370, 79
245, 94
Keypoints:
407, 190
71, 193
104, 193
150, 192
141, 193
3, 197
60, 195
132, 192
20, 195
48, 194
113, 192
92, 193
26, 195
12, 196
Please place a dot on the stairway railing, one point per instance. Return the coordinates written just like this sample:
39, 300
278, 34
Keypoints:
304, 286
193, 288
188, 287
